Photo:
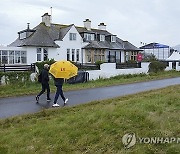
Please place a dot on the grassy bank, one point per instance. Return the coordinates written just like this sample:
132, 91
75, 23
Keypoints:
97, 127
34, 88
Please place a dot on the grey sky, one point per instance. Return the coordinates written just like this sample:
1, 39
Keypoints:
133, 20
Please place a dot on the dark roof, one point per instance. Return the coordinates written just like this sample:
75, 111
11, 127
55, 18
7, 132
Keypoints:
40, 37
45, 36
154, 46
129, 47
94, 31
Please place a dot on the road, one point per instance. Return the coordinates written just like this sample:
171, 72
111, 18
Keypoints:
14, 106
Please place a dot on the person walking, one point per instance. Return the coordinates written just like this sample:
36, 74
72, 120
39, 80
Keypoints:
59, 83
45, 83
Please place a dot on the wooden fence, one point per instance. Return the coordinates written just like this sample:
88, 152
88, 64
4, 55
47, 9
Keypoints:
13, 68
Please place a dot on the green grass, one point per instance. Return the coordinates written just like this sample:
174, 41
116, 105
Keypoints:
34, 88
97, 127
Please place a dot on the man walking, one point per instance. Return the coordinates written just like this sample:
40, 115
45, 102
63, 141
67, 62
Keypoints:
59, 83
45, 83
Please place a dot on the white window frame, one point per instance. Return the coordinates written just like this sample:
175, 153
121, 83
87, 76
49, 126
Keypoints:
38, 53
102, 37
113, 38
72, 36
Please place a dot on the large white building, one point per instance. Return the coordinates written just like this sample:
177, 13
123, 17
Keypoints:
67, 42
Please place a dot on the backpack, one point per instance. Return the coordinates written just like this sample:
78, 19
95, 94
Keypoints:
40, 77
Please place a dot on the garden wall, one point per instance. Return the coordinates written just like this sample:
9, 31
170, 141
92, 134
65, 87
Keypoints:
108, 70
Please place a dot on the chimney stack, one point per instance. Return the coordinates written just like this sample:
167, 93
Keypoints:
46, 18
102, 26
87, 24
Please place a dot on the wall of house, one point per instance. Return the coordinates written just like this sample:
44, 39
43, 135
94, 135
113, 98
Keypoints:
70, 44
32, 54
108, 70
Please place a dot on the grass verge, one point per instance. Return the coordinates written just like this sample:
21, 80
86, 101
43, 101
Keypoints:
97, 127
34, 88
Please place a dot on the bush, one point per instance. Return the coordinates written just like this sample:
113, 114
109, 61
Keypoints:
156, 66
98, 63
149, 57
40, 65
16, 77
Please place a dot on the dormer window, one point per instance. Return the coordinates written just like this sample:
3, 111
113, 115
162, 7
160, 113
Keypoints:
113, 38
102, 37
22, 35
26, 33
89, 37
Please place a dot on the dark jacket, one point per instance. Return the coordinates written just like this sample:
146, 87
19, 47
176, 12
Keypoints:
58, 81
45, 76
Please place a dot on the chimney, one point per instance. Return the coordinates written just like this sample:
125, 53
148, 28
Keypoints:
87, 24
102, 26
46, 18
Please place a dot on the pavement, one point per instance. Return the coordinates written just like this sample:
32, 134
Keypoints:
14, 106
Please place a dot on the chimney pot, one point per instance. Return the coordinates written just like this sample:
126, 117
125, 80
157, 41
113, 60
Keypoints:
102, 26
87, 24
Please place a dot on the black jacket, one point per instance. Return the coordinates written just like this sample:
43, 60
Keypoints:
45, 76
58, 81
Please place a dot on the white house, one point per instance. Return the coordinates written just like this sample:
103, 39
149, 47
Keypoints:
69, 42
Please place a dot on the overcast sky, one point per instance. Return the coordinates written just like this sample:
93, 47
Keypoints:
133, 20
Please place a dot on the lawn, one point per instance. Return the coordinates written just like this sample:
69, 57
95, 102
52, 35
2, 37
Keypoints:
34, 88
97, 127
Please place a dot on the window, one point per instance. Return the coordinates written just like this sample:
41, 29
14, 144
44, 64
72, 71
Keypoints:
68, 54
23, 57
77, 55
38, 54
133, 55
72, 36
89, 56
11, 57
22, 35
73, 52
102, 37
89, 37
113, 38
17, 57
45, 54
4, 57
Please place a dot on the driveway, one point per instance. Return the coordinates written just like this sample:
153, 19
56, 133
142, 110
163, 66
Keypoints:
26, 104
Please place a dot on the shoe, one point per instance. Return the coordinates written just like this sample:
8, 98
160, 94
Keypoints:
37, 99
65, 102
48, 99
55, 105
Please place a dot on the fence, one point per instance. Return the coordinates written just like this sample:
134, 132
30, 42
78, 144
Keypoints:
87, 66
127, 65
12, 68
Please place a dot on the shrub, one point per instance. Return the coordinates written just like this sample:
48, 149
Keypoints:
98, 63
156, 66
149, 57
16, 77
40, 65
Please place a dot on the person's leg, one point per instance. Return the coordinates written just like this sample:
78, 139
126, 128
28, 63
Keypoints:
61, 93
48, 92
42, 91
57, 94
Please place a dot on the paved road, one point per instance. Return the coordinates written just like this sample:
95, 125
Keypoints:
26, 104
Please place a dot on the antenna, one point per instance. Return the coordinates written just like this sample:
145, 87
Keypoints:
51, 12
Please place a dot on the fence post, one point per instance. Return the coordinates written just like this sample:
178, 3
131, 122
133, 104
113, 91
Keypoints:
4, 68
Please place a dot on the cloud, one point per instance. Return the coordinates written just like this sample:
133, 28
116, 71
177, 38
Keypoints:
135, 21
